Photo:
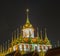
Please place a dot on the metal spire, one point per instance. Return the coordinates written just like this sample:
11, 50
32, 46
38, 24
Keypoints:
46, 35
20, 30
6, 46
12, 40
27, 21
17, 33
3, 48
41, 34
37, 32
46, 38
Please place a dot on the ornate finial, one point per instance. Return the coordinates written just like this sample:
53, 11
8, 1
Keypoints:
27, 10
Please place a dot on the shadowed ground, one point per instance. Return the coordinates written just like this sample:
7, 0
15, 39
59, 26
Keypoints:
53, 52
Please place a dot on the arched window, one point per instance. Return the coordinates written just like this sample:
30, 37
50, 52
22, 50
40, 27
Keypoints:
40, 47
26, 45
48, 47
22, 46
44, 47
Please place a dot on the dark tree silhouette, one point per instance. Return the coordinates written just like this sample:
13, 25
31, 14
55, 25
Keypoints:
17, 53
35, 53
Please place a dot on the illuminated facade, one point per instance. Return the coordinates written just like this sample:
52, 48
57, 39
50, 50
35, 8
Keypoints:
27, 42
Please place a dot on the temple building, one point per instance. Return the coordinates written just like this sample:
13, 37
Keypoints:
25, 40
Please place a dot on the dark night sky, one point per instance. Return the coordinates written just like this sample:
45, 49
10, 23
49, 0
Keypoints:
42, 13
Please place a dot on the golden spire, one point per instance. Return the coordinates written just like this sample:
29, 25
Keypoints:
27, 24
12, 40
3, 48
41, 39
46, 35
27, 21
17, 33
46, 40
20, 31
41, 35
6, 46
37, 32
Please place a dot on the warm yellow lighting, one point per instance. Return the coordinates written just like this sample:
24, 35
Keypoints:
26, 39
17, 47
10, 49
34, 40
27, 10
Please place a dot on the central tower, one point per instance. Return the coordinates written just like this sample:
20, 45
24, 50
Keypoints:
28, 30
